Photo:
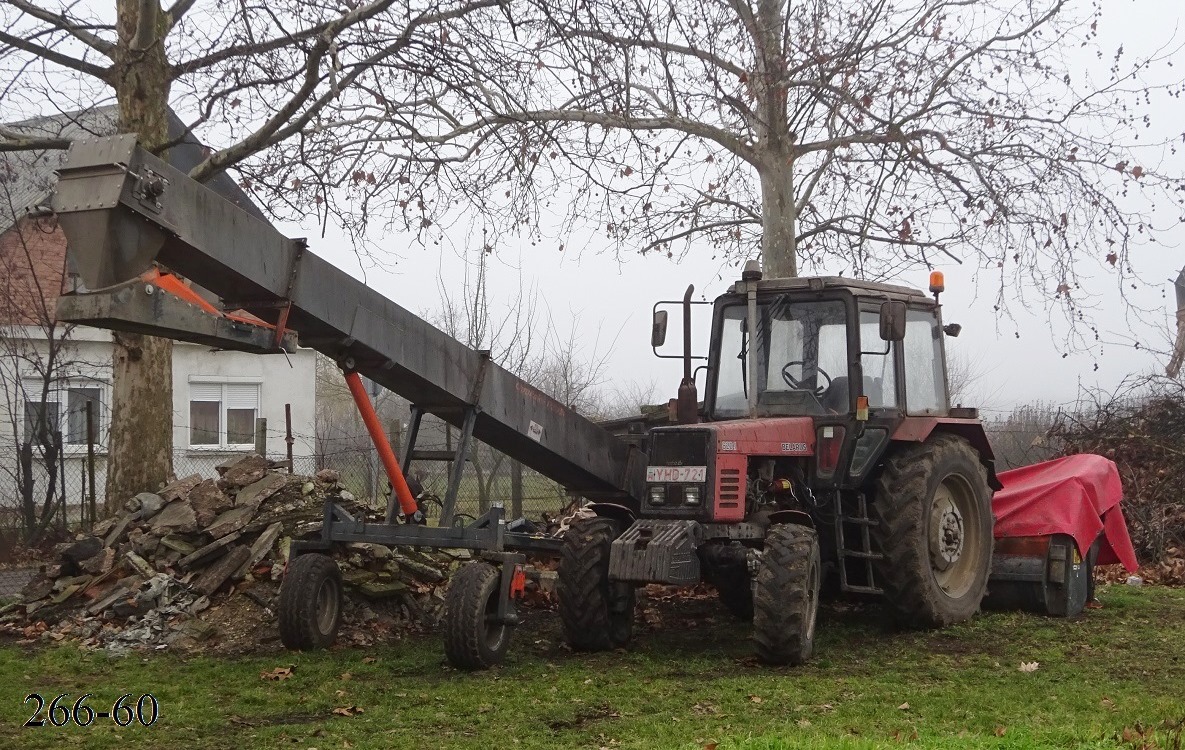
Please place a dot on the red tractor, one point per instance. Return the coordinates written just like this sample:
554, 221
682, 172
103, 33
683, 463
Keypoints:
825, 452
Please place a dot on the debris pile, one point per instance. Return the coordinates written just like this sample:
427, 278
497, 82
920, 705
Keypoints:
1143, 437
159, 573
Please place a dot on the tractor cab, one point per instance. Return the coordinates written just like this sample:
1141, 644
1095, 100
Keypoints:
825, 347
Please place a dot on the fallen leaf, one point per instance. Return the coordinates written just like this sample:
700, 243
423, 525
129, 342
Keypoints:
999, 731
346, 677
1028, 666
369, 660
804, 723
755, 699
277, 674
348, 711
1107, 703
709, 746
903, 707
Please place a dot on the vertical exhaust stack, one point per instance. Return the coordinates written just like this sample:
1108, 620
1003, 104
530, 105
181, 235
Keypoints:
1178, 357
687, 403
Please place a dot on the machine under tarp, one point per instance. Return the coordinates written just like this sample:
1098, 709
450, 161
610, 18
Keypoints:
1076, 495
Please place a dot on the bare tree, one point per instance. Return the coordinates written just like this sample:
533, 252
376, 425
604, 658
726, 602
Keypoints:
868, 137
289, 90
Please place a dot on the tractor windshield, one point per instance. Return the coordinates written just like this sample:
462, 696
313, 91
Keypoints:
802, 354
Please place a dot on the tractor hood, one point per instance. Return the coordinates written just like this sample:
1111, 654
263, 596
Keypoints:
772, 436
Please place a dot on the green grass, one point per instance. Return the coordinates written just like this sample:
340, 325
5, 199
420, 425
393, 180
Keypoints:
1103, 680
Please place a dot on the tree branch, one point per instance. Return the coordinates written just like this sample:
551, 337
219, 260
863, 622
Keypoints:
65, 61
14, 140
63, 23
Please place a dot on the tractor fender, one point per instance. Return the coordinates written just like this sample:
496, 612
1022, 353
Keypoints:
798, 517
919, 429
614, 511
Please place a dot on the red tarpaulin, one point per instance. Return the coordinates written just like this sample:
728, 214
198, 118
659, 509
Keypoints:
1075, 495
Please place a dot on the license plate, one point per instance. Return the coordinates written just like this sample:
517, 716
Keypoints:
676, 473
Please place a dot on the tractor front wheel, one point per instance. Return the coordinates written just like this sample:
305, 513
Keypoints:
786, 595
597, 613
934, 529
310, 602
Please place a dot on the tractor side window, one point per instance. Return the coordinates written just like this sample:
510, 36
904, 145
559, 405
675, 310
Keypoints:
880, 380
925, 384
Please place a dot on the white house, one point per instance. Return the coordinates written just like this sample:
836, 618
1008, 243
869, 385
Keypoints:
49, 373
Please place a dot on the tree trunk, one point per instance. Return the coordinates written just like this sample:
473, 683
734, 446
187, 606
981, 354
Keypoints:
778, 223
778, 214
140, 444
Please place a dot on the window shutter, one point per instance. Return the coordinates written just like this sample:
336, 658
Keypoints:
205, 391
242, 396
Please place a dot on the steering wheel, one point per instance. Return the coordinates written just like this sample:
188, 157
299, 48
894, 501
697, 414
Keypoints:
797, 384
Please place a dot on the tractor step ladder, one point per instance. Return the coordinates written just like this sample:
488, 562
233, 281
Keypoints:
864, 552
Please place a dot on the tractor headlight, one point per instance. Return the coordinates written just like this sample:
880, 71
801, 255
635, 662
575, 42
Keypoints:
691, 494
658, 494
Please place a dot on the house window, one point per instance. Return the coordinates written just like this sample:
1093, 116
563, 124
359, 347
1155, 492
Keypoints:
223, 414
63, 410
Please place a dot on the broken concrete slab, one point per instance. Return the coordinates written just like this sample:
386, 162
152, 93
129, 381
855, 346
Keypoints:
208, 500
230, 521
178, 544
260, 548
38, 587
142, 543
252, 495
119, 527
207, 553
179, 488
381, 589
240, 472
100, 563
120, 591
215, 575
177, 516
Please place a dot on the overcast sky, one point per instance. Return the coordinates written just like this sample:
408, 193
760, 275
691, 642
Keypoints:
1019, 357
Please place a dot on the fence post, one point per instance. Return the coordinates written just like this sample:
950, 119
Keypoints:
57, 438
516, 490
288, 439
90, 458
261, 436
27, 506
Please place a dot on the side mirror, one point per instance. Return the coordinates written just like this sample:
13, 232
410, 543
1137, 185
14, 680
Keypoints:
658, 332
892, 321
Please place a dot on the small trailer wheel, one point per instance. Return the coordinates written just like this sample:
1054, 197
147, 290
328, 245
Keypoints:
473, 638
310, 602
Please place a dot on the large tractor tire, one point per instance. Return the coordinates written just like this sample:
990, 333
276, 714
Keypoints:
472, 639
310, 602
597, 614
934, 528
786, 595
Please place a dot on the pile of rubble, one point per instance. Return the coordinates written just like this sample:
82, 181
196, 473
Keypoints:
158, 573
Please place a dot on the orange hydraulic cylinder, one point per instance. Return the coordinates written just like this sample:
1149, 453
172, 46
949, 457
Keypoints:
402, 492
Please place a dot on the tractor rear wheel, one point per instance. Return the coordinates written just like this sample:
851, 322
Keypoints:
310, 602
597, 613
934, 528
473, 638
786, 595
